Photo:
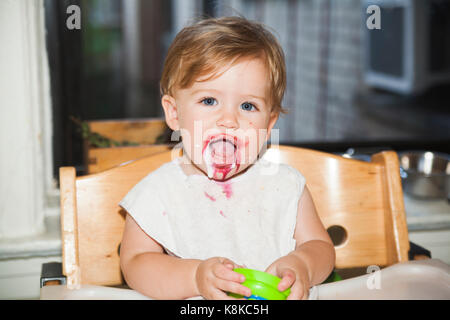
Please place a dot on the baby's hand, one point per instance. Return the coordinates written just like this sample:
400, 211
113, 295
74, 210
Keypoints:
215, 277
294, 274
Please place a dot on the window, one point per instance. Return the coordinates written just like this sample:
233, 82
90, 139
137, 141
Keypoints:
109, 69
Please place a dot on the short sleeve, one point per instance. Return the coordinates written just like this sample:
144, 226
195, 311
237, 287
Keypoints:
300, 181
144, 203
297, 184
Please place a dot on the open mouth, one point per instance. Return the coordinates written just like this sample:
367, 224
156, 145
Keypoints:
220, 154
223, 151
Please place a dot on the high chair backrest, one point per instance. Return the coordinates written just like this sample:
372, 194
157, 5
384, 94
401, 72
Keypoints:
364, 199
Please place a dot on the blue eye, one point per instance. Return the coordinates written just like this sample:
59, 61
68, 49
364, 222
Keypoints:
247, 106
209, 101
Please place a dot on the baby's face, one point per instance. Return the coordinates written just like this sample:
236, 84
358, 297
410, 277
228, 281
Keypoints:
224, 121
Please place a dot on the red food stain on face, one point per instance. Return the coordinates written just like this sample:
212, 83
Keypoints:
164, 213
221, 172
221, 213
205, 143
210, 197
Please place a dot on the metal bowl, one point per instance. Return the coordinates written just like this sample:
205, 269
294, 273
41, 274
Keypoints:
425, 174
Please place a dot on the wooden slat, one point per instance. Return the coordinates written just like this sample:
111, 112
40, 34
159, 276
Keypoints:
69, 227
142, 131
395, 217
100, 159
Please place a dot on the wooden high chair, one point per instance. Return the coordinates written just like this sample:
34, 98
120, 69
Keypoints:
362, 200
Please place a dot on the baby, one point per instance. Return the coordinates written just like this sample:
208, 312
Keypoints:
220, 205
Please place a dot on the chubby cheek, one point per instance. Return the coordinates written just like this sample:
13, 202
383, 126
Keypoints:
192, 129
193, 146
254, 140
253, 150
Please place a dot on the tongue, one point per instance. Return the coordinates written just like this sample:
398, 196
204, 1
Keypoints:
223, 152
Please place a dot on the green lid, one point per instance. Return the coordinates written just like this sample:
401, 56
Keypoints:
333, 277
263, 285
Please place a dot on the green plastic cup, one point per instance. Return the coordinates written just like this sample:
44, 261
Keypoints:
263, 285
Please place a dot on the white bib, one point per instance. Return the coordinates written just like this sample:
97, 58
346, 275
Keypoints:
250, 219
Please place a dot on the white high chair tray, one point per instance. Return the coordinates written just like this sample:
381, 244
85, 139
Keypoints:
421, 279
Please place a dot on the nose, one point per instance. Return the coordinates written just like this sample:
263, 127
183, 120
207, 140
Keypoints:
228, 119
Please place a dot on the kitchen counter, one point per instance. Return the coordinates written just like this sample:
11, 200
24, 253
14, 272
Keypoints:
426, 214
429, 225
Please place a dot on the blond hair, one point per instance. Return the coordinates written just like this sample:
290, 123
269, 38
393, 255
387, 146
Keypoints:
208, 45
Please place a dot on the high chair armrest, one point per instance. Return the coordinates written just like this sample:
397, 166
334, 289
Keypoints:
417, 252
52, 272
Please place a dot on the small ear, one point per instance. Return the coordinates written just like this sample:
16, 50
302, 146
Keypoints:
170, 111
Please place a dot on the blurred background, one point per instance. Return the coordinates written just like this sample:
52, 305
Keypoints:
348, 86
358, 81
